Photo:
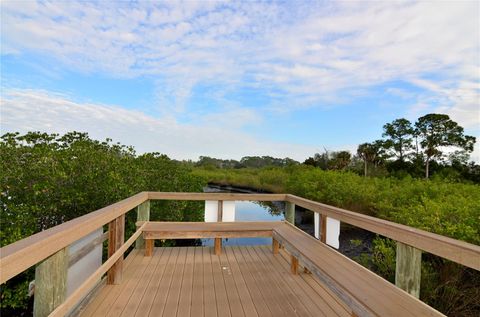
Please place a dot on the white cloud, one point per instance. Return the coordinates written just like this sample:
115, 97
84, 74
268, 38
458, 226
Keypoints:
298, 55
301, 54
35, 110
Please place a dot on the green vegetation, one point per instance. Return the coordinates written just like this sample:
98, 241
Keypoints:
448, 203
447, 208
49, 179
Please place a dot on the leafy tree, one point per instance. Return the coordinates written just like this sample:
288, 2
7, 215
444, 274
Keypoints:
436, 131
47, 179
340, 160
371, 153
399, 135
309, 161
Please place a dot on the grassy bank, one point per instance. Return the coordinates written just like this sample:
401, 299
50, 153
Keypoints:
450, 209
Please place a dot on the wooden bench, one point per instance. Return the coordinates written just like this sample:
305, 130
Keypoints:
199, 230
366, 293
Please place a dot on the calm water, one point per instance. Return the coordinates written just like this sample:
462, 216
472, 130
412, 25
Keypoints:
251, 211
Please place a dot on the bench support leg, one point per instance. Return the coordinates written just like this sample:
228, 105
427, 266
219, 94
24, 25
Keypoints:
275, 246
294, 265
149, 247
218, 246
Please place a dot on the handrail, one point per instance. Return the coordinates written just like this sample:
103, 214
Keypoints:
19, 256
458, 251
215, 196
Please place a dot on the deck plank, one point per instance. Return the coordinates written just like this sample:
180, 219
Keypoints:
236, 308
187, 283
223, 308
209, 300
197, 299
173, 295
277, 305
153, 285
245, 298
130, 285
137, 295
283, 285
192, 281
257, 296
163, 289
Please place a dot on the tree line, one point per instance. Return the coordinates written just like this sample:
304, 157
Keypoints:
434, 142
244, 162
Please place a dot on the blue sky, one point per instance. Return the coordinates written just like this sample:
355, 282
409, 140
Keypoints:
229, 79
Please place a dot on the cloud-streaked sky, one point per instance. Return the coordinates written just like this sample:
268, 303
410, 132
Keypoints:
229, 79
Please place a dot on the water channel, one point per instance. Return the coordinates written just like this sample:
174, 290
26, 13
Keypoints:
353, 241
249, 211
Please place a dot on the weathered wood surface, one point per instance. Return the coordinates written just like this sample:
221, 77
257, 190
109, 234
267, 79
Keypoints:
116, 239
190, 281
143, 214
458, 251
80, 253
366, 293
50, 283
220, 211
408, 269
323, 226
290, 212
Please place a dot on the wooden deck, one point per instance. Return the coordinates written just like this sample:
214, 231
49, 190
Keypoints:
192, 281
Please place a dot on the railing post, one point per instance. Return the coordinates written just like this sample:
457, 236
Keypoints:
220, 211
408, 269
290, 212
323, 231
218, 241
320, 226
143, 214
50, 283
116, 238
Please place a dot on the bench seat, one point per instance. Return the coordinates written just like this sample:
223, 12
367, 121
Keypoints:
366, 293
199, 230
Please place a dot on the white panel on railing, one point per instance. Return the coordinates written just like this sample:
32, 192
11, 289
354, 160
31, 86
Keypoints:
81, 270
333, 232
228, 211
316, 224
211, 210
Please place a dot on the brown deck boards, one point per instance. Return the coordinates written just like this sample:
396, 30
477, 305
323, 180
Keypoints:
192, 281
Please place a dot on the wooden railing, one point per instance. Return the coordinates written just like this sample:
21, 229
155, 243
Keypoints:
47, 249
